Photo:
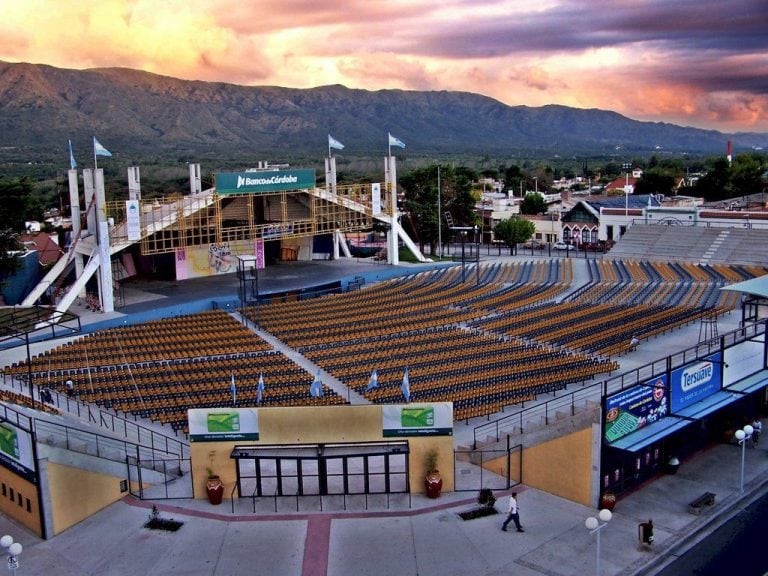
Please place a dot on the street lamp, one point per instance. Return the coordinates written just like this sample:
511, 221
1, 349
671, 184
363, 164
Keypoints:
594, 526
12, 551
743, 437
626, 191
477, 257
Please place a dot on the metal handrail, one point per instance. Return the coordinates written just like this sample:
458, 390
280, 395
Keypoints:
619, 382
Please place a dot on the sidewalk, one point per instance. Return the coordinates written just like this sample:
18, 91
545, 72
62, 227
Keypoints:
430, 539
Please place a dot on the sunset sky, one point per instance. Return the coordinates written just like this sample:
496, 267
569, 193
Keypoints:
702, 63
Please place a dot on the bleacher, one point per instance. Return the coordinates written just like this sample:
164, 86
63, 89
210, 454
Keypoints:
481, 345
737, 245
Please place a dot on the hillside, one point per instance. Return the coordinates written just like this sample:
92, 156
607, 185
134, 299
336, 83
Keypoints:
132, 111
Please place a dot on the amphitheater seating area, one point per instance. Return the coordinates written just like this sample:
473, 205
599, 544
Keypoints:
504, 334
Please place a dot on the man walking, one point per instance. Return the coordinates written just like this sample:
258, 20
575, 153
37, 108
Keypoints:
513, 514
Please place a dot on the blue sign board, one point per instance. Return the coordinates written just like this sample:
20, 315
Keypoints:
696, 381
635, 407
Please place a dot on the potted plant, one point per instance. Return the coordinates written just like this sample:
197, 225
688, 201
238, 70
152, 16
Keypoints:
213, 487
433, 482
485, 506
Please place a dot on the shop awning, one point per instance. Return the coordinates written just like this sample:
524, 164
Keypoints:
649, 434
750, 383
710, 404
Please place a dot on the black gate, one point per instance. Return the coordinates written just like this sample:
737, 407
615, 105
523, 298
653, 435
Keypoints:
159, 479
497, 469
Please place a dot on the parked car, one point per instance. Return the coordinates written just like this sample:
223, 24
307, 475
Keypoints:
564, 246
536, 244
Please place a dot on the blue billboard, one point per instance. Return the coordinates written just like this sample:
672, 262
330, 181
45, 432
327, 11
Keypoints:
635, 407
694, 382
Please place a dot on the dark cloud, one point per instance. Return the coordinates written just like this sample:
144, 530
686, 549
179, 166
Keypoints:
738, 25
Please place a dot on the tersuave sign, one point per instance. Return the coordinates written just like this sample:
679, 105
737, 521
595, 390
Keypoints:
263, 182
696, 381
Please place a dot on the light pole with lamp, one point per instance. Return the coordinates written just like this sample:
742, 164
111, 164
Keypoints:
743, 437
13, 550
626, 190
477, 257
594, 526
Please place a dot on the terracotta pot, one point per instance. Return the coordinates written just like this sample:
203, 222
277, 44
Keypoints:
215, 489
608, 500
433, 483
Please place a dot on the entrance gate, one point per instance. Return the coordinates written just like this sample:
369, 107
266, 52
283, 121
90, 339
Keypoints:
498, 469
322, 469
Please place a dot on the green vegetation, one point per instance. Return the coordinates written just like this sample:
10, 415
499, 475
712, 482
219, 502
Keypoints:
533, 204
514, 231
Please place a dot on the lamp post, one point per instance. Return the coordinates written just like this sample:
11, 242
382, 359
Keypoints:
12, 551
594, 526
463, 257
743, 437
477, 257
626, 190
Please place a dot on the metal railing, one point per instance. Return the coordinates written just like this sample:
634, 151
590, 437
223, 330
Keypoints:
544, 411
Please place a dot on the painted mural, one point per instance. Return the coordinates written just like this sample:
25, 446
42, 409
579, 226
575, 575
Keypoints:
214, 259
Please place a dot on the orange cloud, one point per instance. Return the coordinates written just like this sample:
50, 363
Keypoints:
627, 59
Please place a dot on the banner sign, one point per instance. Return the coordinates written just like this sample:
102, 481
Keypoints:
133, 219
434, 419
376, 198
634, 408
16, 451
696, 381
264, 181
223, 424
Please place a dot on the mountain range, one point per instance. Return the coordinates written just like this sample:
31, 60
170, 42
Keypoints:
135, 112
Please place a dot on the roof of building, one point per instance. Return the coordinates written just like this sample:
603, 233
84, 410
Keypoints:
48, 251
756, 286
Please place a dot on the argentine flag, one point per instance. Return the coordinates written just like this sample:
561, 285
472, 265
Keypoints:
396, 141
406, 386
260, 389
373, 382
233, 389
316, 388
72, 163
99, 150
335, 144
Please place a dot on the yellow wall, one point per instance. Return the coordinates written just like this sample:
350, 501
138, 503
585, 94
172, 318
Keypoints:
76, 494
18, 500
562, 466
320, 424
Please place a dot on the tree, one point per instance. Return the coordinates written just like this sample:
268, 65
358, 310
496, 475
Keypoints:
420, 187
533, 204
655, 181
513, 176
514, 231
714, 185
746, 175
9, 243
17, 205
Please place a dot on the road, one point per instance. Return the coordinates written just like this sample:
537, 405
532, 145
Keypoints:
734, 548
